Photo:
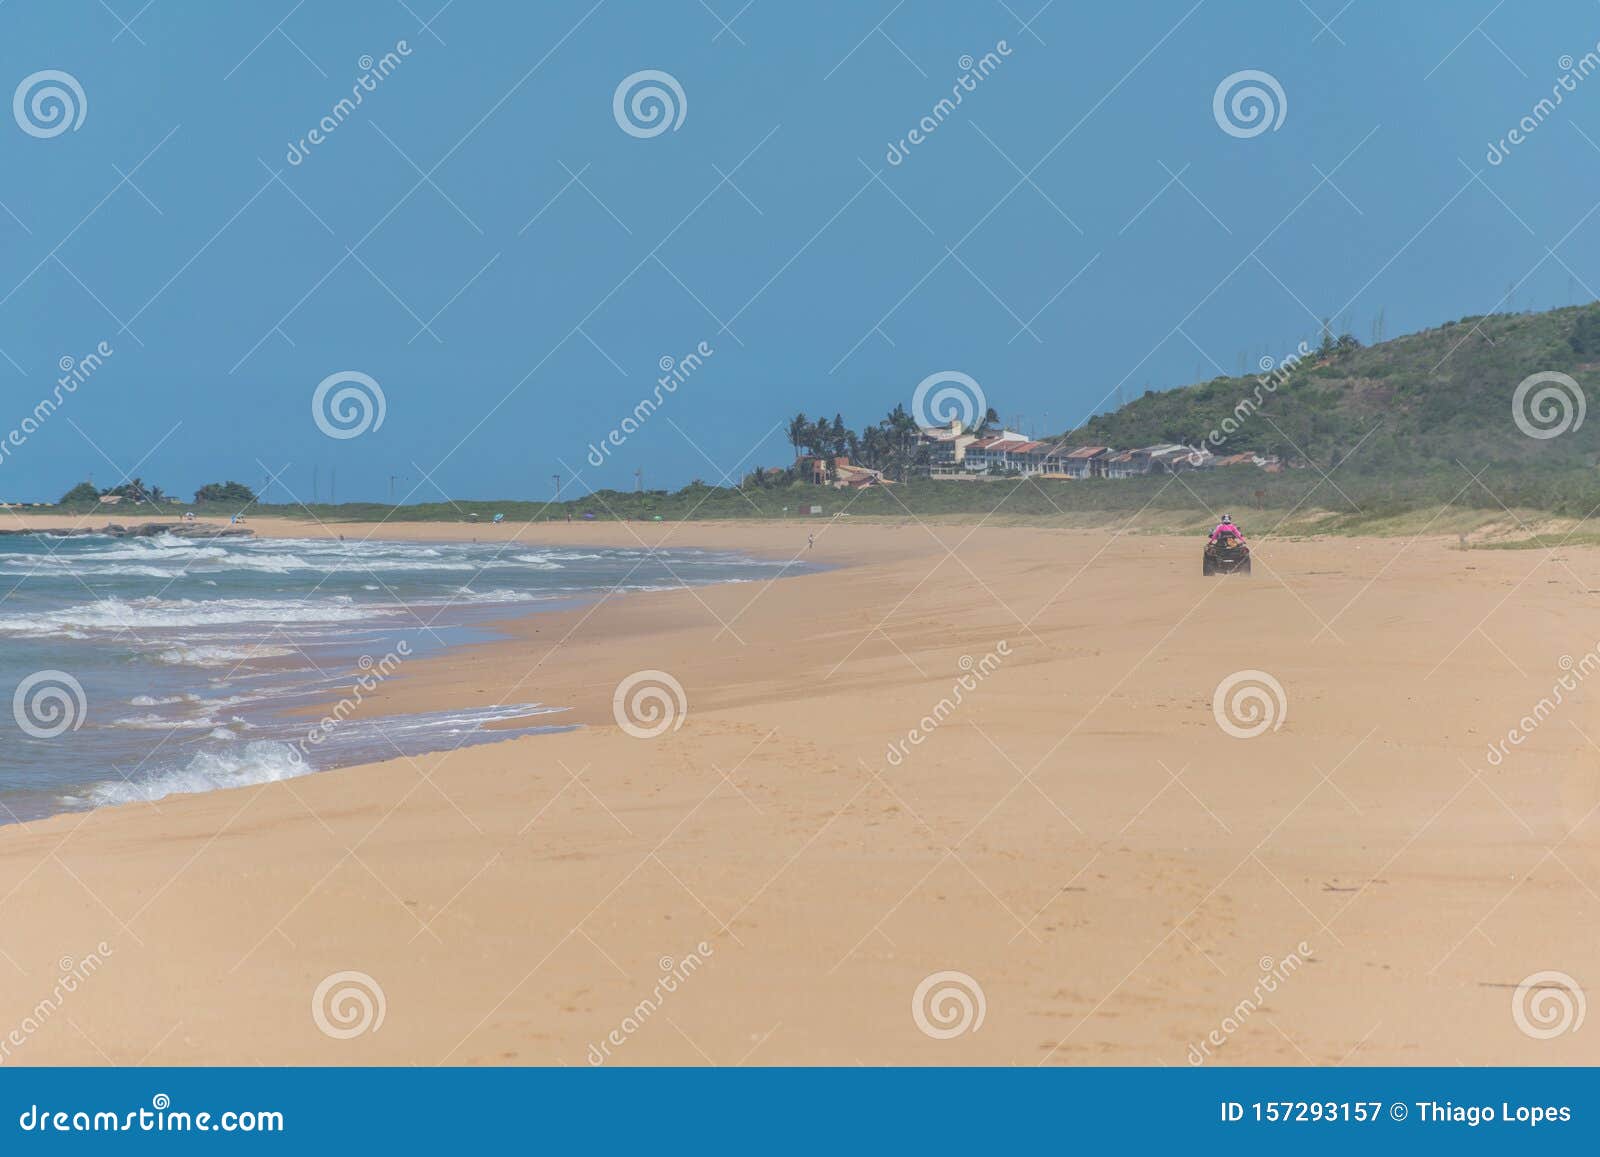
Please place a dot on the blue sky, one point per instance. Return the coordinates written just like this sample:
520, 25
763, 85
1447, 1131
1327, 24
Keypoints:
483, 239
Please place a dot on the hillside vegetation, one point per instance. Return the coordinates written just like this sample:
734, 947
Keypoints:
1413, 404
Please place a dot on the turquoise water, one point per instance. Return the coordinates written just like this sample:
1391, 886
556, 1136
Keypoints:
133, 669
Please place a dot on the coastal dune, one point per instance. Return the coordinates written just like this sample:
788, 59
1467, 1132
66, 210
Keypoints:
963, 798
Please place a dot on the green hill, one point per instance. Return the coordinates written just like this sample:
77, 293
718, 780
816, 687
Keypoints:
1413, 405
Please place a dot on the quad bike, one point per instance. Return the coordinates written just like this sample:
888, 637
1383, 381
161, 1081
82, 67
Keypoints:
1227, 555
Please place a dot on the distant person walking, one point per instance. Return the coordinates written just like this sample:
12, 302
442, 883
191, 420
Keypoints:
811, 541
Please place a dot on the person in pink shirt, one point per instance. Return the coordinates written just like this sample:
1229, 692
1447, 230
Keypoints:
1226, 526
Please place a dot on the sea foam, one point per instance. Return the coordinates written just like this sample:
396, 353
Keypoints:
238, 765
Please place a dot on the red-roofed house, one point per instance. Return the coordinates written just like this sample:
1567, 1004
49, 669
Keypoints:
990, 454
1086, 462
1128, 464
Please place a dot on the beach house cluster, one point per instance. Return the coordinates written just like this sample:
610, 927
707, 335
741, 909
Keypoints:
839, 472
956, 454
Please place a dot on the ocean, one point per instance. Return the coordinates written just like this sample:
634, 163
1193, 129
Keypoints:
138, 668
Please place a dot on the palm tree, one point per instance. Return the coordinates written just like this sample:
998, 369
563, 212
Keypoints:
1326, 348
871, 448
799, 432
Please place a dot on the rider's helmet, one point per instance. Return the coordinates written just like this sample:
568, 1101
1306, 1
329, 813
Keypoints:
1227, 518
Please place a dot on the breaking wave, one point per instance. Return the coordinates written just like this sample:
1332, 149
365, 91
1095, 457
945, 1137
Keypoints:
239, 765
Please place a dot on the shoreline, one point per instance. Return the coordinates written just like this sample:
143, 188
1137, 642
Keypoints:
634, 611
405, 694
1077, 836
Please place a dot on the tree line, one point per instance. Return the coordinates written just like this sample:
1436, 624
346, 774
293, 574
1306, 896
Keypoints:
136, 490
893, 444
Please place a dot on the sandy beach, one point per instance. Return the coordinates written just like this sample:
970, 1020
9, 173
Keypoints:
1079, 835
